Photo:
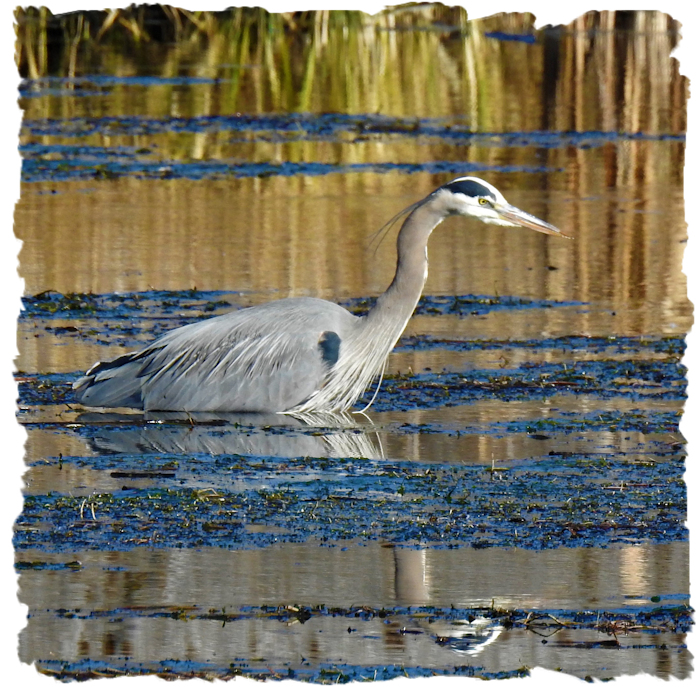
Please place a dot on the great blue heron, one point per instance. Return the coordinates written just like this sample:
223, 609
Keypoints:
294, 355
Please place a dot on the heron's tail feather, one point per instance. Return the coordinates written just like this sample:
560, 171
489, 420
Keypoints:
113, 384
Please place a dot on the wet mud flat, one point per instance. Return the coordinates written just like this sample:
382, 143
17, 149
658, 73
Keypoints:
511, 494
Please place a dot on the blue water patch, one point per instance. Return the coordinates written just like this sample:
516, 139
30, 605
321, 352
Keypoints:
659, 345
518, 37
75, 84
158, 303
190, 303
463, 305
631, 379
323, 673
329, 126
21, 566
78, 169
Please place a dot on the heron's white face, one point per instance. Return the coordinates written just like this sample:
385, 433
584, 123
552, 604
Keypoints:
474, 197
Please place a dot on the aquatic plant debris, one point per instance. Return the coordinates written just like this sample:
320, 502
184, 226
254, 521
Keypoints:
191, 303
541, 503
197, 304
464, 305
670, 614
631, 379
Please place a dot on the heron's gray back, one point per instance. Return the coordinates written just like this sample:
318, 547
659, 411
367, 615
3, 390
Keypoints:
268, 358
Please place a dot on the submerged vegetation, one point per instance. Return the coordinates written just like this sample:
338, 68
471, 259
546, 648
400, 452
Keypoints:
336, 502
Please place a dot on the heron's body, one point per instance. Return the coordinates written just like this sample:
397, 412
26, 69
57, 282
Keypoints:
296, 354
216, 366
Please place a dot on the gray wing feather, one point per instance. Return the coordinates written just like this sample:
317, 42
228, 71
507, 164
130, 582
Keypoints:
263, 359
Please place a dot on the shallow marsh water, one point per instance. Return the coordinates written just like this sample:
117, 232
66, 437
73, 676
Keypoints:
514, 496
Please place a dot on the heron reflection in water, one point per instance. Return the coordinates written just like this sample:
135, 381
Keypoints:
295, 355
328, 435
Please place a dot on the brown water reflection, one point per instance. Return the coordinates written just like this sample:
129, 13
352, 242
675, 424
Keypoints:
195, 581
278, 238
606, 71
560, 578
271, 236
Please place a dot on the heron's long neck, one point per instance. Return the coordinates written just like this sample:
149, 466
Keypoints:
395, 306
363, 353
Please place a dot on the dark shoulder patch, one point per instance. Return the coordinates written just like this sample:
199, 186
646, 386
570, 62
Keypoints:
329, 343
470, 188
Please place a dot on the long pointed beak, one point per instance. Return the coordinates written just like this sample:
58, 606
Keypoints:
520, 218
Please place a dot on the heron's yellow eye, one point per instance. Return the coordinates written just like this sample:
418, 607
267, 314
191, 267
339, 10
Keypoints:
483, 201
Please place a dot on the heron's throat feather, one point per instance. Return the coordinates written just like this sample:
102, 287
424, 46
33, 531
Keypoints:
364, 351
362, 357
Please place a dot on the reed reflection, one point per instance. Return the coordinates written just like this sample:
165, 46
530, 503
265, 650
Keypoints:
609, 70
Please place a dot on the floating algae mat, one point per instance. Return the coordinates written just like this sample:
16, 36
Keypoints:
543, 503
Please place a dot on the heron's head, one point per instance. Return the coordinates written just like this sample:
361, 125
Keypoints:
473, 197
